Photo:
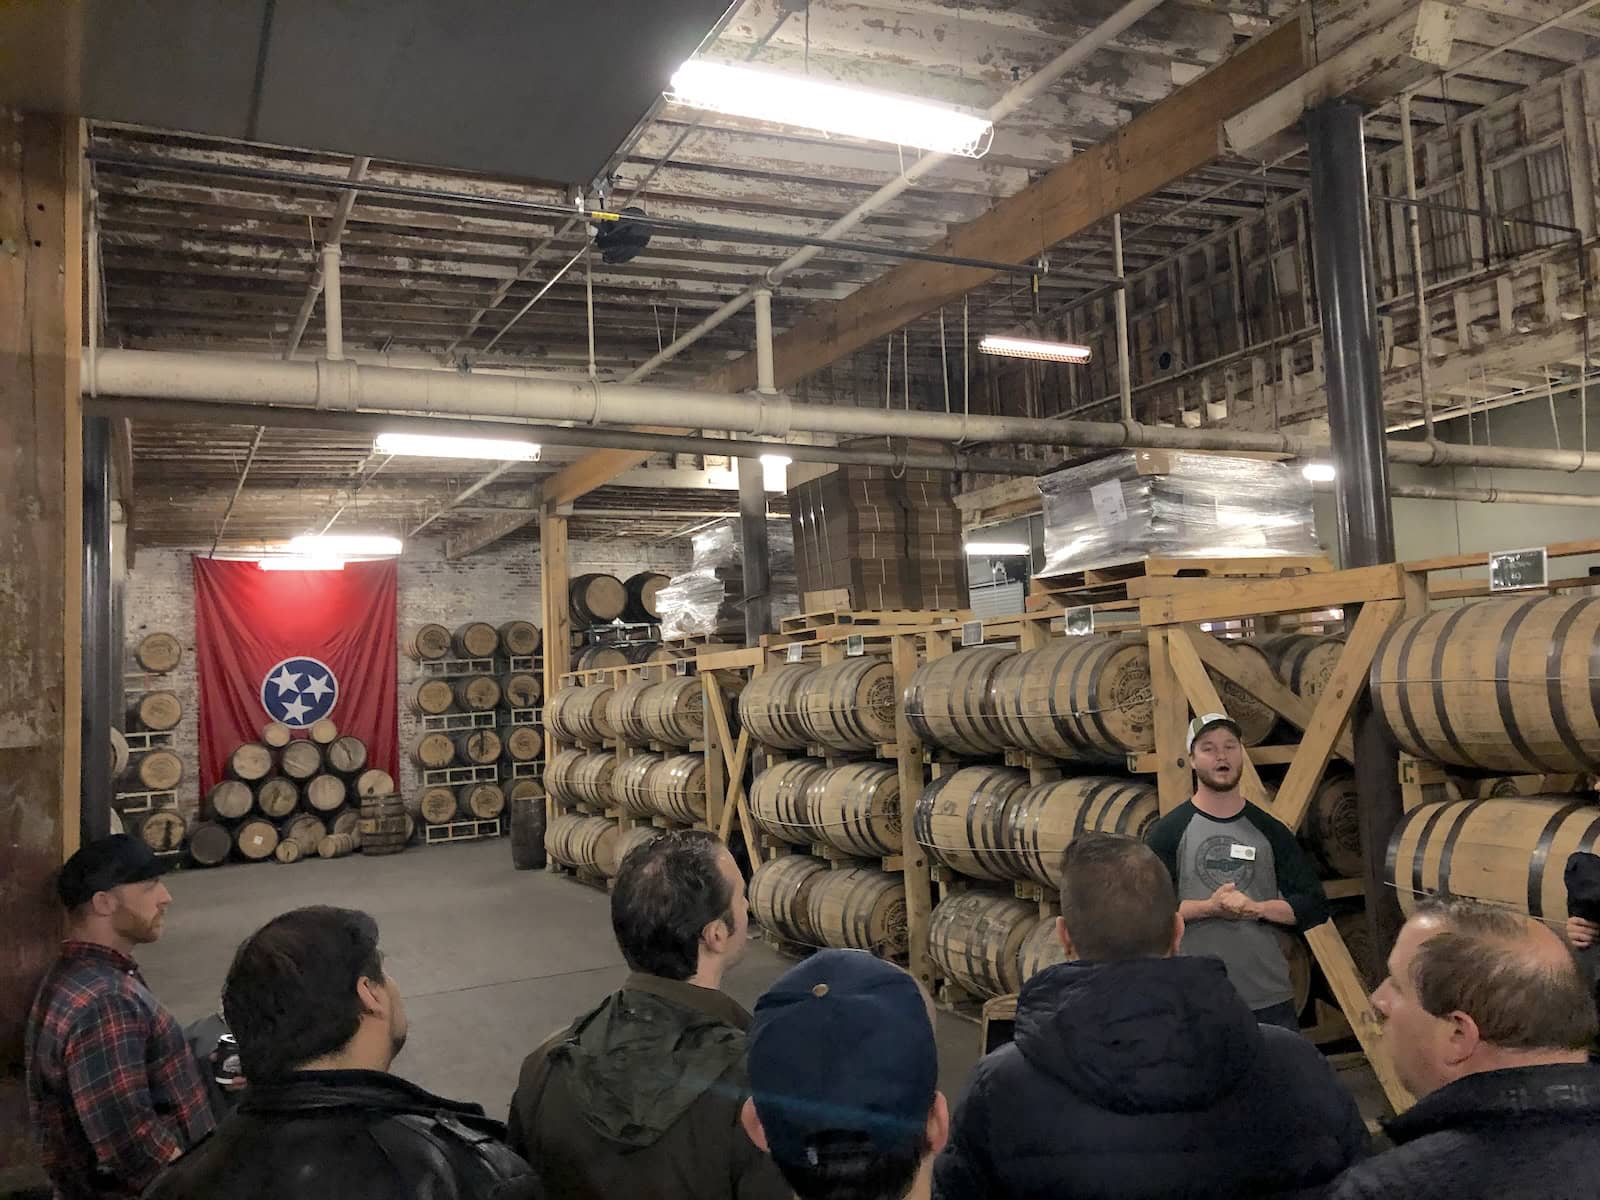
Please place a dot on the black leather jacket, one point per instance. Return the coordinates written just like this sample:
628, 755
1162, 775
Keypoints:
349, 1135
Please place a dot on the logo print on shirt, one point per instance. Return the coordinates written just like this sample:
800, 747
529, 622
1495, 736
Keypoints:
1216, 865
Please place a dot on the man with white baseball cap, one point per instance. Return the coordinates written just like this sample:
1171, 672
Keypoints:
1239, 872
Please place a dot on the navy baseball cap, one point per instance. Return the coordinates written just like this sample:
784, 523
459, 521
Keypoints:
103, 864
842, 1043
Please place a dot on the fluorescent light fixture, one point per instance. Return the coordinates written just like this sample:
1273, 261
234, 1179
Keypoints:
1319, 472
426, 445
350, 545
774, 472
783, 98
301, 562
1015, 347
996, 549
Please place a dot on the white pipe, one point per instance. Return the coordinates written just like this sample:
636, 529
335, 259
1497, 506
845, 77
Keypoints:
764, 342
332, 301
1124, 367
1414, 230
348, 386
333, 236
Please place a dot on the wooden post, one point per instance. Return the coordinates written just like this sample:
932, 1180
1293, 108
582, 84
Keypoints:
1171, 714
919, 885
557, 620
41, 547
716, 751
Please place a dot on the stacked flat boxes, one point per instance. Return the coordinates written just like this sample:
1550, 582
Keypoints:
893, 541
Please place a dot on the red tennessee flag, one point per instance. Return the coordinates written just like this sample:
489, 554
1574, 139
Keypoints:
294, 646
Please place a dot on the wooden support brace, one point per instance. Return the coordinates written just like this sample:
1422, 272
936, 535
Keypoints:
1203, 698
918, 882
1251, 598
1333, 956
1171, 714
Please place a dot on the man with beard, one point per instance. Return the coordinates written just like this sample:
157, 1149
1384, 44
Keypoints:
318, 1023
1239, 872
114, 1092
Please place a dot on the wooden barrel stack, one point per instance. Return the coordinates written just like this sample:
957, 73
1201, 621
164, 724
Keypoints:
146, 773
583, 843
630, 783
596, 600
677, 787
770, 706
578, 714
860, 908
641, 591
673, 711
950, 701
849, 706
781, 799
780, 897
975, 938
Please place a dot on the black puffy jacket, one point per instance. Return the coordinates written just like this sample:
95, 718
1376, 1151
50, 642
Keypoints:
1147, 1078
349, 1135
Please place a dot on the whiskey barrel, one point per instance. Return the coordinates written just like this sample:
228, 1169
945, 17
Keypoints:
429, 643
856, 808
433, 751
323, 732
521, 743
780, 896
625, 711
1510, 852
287, 852
647, 652
641, 590
1042, 821
519, 639
156, 711
560, 775
346, 820
300, 759
436, 805
337, 845
1040, 949
591, 779
673, 711
276, 734
477, 693
584, 843
1498, 685
950, 701
1303, 662
524, 789
162, 830
782, 797
475, 639
599, 658
527, 832
630, 784
250, 762
158, 770
1083, 698
481, 801
520, 689
158, 652
347, 755
209, 843
975, 937
256, 839
860, 908
849, 705
119, 753
631, 839
306, 830
277, 797
374, 781
596, 600
433, 697
1332, 826
478, 746
325, 793
1255, 717
678, 787
1298, 955
229, 800
385, 826
578, 714
961, 821
770, 706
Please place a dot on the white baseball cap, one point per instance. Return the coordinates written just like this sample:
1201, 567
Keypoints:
1207, 722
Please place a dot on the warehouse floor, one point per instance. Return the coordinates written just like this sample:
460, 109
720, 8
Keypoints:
491, 960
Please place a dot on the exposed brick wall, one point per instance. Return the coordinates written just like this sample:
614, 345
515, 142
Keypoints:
496, 585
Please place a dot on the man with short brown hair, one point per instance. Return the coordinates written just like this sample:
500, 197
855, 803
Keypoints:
1489, 1022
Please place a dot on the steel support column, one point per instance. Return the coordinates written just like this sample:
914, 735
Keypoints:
102, 659
753, 543
1348, 301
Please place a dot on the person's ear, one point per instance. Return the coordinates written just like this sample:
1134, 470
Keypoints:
752, 1125
716, 935
103, 904
1461, 1040
374, 999
1065, 939
938, 1124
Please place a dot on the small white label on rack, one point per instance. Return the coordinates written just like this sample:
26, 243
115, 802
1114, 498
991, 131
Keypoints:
795, 653
1108, 503
1078, 621
682, 666
855, 646
1511, 570
972, 633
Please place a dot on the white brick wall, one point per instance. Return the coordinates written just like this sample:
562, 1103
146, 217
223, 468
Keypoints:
496, 585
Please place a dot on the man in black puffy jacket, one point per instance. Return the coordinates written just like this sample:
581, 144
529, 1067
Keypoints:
1135, 1073
318, 1023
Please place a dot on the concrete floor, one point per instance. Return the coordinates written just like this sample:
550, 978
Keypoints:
490, 960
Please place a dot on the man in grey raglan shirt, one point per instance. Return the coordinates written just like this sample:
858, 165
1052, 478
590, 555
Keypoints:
1239, 871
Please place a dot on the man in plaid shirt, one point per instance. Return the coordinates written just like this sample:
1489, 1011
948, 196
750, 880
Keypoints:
114, 1091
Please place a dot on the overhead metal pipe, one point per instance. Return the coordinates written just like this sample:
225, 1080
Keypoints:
1418, 491
331, 237
349, 386
332, 302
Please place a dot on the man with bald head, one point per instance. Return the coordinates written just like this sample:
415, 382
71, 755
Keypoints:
1490, 1024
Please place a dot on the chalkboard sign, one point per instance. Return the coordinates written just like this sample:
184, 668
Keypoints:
1512, 570
1079, 621
972, 633
855, 646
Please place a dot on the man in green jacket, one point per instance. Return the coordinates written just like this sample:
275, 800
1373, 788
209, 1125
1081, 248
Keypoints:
641, 1097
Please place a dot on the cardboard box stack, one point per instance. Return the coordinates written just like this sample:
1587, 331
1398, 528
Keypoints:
893, 541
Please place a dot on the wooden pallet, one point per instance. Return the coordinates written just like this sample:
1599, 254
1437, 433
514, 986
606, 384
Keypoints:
845, 616
1126, 583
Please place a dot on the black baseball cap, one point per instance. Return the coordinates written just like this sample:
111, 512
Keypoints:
842, 1043
103, 864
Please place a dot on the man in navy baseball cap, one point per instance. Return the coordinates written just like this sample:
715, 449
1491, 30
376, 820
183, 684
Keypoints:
844, 1080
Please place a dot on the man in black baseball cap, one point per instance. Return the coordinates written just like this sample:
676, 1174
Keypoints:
114, 1090
844, 1080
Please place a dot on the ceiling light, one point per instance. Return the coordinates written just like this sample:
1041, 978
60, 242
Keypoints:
1318, 472
774, 472
353, 545
301, 562
996, 549
425, 445
786, 99
1015, 347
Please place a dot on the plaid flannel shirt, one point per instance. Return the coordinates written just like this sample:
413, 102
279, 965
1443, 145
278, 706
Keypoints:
114, 1091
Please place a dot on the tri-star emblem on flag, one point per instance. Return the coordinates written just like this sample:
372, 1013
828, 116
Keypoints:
299, 691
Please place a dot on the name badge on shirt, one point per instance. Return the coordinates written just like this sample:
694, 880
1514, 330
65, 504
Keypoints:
1244, 853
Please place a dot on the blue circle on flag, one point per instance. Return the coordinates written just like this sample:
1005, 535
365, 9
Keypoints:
299, 691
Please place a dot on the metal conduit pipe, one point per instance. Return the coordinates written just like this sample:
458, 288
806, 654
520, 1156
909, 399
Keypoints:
349, 386
1416, 491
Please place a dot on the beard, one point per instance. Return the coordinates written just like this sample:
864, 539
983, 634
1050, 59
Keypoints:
137, 929
1222, 779
397, 1040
